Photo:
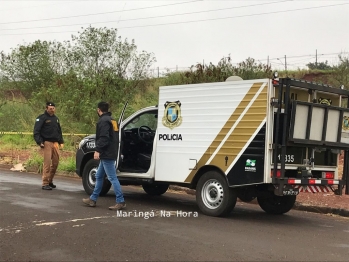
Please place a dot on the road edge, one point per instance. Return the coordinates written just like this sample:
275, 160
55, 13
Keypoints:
298, 205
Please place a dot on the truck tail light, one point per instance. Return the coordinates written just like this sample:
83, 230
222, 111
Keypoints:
275, 82
278, 173
328, 175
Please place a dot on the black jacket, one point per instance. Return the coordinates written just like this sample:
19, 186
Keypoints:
47, 128
107, 137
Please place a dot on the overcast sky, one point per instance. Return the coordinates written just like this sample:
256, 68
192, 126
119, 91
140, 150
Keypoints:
183, 33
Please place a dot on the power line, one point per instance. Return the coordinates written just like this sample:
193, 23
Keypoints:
277, 62
28, 7
194, 21
298, 56
103, 13
150, 17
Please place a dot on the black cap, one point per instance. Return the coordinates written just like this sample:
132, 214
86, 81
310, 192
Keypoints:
50, 104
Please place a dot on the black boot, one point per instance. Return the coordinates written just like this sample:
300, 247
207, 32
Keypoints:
47, 187
52, 185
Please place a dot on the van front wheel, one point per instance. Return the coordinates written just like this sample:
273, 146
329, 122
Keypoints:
89, 178
213, 195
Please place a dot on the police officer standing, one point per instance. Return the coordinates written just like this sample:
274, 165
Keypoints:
48, 135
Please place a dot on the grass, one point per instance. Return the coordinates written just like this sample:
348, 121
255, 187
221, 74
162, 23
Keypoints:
22, 148
67, 164
16, 141
34, 163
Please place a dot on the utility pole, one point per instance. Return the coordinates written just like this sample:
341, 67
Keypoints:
268, 62
285, 65
158, 72
316, 59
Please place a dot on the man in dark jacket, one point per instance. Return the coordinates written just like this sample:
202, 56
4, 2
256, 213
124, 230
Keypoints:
107, 142
48, 135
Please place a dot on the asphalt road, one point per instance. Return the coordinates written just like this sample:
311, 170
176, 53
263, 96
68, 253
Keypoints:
56, 226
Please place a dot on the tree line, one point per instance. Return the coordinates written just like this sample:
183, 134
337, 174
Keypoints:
97, 64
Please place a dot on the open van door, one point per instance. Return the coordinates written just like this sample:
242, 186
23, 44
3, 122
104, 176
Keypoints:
119, 124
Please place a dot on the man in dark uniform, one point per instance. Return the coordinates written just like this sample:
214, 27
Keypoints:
107, 143
48, 135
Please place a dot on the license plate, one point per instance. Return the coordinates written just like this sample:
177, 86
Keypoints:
291, 192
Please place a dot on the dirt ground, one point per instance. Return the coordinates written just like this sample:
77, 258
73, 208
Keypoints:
22, 155
10, 158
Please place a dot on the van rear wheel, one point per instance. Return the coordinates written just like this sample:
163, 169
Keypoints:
213, 195
276, 205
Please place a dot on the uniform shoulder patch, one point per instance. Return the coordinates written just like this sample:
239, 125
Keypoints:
115, 125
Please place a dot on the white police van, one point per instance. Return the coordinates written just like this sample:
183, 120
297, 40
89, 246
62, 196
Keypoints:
266, 138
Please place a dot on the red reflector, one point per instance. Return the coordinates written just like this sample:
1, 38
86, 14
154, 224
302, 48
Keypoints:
291, 181
312, 181
330, 182
278, 173
328, 175
275, 82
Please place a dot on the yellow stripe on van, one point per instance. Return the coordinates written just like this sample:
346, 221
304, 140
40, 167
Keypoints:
226, 128
242, 133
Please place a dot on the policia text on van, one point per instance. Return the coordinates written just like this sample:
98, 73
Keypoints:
268, 139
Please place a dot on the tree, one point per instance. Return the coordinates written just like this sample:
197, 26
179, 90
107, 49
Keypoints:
319, 66
247, 69
108, 63
96, 64
340, 74
28, 67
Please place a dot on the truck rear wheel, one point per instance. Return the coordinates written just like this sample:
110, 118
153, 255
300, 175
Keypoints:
155, 189
214, 196
276, 205
89, 178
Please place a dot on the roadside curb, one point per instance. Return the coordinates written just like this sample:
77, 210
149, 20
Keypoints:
322, 210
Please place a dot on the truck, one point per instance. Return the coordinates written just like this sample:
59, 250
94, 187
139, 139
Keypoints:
265, 139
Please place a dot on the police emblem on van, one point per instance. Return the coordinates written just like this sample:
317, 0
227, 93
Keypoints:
172, 115
325, 101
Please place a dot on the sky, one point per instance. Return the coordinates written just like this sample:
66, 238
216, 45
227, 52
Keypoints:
187, 32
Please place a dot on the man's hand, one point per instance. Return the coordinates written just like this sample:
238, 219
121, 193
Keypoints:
42, 145
61, 145
96, 155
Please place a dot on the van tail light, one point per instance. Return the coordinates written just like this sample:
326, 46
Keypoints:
278, 173
328, 175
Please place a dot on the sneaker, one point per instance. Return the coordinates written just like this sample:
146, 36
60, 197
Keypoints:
89, 202
118, 206
47, 187
52, 185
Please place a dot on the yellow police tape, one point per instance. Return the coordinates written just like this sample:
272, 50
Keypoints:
30, 133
